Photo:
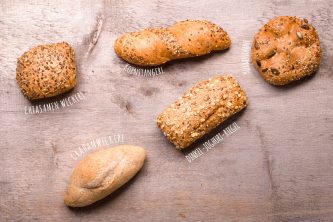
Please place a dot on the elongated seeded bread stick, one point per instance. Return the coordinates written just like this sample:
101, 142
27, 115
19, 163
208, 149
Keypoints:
156, 46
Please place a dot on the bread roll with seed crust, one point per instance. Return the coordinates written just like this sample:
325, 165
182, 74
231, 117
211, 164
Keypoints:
201, 109
156, 46
46, 71
286, 49
102, 172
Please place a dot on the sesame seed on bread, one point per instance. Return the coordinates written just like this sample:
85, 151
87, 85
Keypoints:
46, 70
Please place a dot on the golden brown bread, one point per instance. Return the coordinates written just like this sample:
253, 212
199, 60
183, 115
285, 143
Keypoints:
46, 70
286, 49
156, 46
201, 109
102, 172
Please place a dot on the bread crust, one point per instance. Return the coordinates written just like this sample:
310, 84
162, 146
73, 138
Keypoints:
286, 49
156, 46
46, 70
102, 172
202, 108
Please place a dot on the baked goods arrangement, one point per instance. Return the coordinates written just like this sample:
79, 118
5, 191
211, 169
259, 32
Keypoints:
156, 46
46, 71
102, 172
286, 49
201, 109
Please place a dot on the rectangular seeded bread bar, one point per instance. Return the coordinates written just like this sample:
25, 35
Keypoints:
201, 109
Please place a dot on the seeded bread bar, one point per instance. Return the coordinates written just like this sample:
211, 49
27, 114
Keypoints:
46, 70
201, 109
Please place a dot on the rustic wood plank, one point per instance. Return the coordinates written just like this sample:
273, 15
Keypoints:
277, 167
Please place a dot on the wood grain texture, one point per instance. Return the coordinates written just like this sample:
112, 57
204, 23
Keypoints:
277, 167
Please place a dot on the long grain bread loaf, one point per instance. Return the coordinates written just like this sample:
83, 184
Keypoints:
102, 172
201, 109
156, 46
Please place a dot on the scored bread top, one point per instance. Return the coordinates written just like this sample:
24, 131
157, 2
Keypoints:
102, 172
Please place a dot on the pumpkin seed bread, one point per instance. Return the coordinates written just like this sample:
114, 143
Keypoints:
46, 71
156, 46
286, 49
201, 109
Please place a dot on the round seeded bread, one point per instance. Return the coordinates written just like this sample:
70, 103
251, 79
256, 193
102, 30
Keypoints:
46, 70
286, 49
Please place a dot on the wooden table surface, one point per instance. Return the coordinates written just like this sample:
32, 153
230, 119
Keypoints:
278, 166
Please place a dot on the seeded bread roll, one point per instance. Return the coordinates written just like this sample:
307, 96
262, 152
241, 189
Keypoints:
46, 71
286, 49
201, 109
102, 172
156, 46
